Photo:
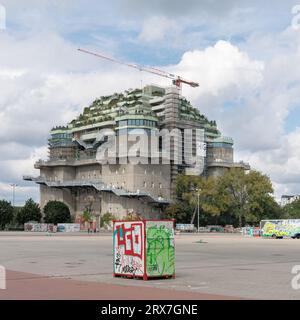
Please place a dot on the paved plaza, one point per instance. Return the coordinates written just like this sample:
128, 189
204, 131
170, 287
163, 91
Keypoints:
208, 266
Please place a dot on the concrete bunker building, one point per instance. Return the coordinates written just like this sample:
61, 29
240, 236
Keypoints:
73, 174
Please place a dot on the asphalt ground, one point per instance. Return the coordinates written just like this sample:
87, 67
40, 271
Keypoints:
208, 266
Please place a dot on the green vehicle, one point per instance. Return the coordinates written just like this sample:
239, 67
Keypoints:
284, 228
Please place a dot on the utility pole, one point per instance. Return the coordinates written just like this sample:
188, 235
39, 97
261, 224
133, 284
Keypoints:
198, 207
13, 185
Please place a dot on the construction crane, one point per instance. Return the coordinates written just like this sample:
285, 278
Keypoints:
176, 80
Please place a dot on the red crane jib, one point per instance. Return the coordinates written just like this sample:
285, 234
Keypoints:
176, 80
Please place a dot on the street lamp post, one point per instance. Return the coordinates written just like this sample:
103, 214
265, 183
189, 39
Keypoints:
13, 185
198, 210
198, 207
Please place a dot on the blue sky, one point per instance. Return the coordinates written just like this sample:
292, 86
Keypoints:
244, 54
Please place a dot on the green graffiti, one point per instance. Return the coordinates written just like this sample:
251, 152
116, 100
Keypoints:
280, 229
160, 251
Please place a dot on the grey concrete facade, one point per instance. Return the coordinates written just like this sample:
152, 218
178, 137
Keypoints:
73, 174
124, 188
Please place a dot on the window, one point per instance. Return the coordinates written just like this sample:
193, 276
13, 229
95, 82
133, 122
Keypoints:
145, 184
160, 143
152, 185
123, 123
123, 132
160, 186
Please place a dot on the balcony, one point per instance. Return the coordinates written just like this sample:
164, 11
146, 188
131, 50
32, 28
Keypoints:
64, 162
98, 185
228, 164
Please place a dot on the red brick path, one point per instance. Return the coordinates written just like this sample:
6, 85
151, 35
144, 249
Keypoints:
35, 287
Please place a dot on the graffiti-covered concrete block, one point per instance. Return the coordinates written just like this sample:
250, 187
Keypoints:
144, 248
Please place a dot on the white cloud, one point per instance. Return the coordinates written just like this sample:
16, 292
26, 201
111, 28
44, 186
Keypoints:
39, 91
12, 171
251, 100
218, 68
44, 82
22, 193
282, 163
157, 28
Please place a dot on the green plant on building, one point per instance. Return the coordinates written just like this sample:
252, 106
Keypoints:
106, 220
131, 216
86, 215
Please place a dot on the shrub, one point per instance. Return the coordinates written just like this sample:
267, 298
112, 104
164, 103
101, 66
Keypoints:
6, 213
132, 217
30, 212
57, 212
106, 220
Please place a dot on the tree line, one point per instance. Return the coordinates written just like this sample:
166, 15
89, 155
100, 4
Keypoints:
15, 217
237, 197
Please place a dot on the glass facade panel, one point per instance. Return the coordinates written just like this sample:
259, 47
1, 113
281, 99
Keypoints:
123, 123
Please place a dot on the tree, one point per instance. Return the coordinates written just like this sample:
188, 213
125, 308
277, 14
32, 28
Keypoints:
30, 212
270, 210
185, 184
235, 198
212, 200
6, 213
57, 212
247, 193
106, 220
179, 211
292, 210
87, 214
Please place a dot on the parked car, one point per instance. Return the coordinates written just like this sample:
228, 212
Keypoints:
296, 236
281, 228
215, 228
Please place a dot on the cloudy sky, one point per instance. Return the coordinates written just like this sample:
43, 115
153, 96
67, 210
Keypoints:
244, 54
